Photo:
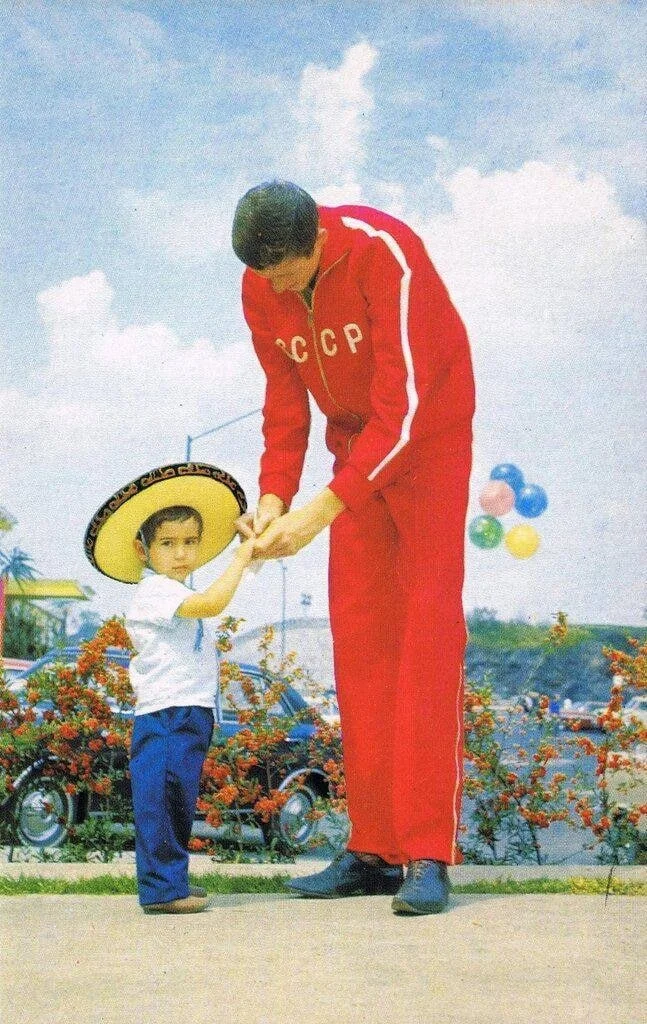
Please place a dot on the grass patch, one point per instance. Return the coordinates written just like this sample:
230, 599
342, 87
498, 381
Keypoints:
219, 884
576, 886
519, 636
126, 885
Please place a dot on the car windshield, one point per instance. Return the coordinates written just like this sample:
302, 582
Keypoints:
233, 698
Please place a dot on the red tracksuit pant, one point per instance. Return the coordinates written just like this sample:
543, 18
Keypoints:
395, 580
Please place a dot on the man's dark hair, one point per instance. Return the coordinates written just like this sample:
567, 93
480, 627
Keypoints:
274, 221
171, 514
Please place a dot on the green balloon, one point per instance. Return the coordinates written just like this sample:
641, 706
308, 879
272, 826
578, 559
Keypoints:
486, 531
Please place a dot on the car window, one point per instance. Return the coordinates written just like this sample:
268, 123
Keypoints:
233, 699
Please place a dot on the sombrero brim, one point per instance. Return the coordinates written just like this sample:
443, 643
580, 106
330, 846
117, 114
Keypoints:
220, 500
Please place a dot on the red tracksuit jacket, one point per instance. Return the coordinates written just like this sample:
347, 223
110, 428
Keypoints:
382, 351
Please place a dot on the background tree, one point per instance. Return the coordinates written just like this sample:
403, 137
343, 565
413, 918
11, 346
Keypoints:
21, 634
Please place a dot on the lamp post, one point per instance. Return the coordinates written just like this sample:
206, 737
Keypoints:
213, 430
284, 569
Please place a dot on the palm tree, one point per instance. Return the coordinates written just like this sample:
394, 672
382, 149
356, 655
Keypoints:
7, 521
16, 565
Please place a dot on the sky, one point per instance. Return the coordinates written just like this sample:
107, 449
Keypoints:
508, 134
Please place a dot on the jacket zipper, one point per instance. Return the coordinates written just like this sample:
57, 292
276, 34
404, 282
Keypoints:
311, 324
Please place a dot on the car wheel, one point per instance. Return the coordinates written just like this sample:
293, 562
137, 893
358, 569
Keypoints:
44, 813
293, 826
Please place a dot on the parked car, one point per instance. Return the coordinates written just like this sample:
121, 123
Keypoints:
585, 715
43, 811
636, 707
12, 667
627, 785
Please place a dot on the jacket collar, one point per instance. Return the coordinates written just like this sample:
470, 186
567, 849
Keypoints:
338, 241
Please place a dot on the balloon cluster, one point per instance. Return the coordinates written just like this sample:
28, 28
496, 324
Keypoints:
506, 490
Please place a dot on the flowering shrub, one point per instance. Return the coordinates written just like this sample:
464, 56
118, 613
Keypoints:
514, 797
516, 794
76, 720
242, 774
619, 827
75, 724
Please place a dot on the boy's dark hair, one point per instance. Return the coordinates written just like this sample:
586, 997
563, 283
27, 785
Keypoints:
274, 221
171, 514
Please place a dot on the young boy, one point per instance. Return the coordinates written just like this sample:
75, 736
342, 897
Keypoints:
174, 673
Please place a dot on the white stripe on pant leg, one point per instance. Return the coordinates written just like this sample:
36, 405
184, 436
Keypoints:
459, 712
410, 387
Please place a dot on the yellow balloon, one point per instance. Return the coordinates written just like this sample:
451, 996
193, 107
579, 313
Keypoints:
522, 541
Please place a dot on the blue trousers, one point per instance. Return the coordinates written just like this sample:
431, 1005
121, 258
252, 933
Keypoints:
167, 753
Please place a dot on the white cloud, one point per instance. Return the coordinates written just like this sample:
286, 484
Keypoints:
76, 313
94, 360
431, 41
323, 146
547, 272
114, 43
572, 88
542, 250
437, 142
190, 231
332, 116
112, 402
337, 195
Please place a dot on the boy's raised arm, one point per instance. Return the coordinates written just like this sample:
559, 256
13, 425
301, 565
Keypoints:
216, 597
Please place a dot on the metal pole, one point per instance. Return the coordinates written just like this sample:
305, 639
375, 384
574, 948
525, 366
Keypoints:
213, 430
284, 570
190, 439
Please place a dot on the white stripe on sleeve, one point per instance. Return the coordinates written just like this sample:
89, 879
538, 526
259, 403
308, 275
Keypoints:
412, 395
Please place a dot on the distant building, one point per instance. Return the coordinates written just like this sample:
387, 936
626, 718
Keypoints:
309, 638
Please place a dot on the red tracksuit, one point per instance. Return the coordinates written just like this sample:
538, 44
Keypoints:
385, 355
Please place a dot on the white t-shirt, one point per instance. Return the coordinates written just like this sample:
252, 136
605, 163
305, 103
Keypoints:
169, 670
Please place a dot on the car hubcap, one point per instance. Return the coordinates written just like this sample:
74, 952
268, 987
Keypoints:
295, 823
40, 816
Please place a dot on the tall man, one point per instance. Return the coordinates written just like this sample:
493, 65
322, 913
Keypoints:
344, 303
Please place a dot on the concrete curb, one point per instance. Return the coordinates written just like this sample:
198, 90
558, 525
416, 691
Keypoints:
200, 864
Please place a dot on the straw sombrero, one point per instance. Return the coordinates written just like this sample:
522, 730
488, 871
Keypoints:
218, 498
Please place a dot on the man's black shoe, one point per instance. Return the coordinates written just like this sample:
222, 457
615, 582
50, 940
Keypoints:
425, 889
348, 875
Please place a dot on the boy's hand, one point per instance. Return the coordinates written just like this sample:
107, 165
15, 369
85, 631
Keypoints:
245, 551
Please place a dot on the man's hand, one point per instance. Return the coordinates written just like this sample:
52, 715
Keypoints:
287, 534
270, 507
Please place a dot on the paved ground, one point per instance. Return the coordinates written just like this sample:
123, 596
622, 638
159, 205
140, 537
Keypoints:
261, 959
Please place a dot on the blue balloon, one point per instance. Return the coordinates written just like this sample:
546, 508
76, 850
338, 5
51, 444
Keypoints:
531, 501
512, 475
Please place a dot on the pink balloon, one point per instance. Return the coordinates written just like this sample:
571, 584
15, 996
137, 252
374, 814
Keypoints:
497, 498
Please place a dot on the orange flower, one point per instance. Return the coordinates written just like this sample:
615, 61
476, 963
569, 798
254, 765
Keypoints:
67, 731
214, 817
267, 806
227, 794
103, 786
197, 845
